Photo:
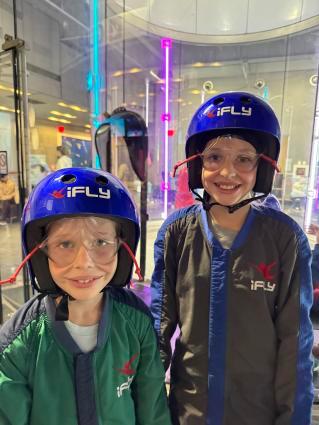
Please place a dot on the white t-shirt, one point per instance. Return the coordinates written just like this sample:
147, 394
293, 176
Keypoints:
84, 336
64, 162
225, 236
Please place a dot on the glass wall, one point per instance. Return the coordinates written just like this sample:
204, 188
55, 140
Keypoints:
57, 43
282, 70
57, 46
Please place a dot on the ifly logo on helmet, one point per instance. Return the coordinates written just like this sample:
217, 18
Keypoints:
219, 112
74, 191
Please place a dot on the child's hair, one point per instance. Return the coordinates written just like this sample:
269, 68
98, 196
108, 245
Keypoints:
64, 150
78, 192
92, 219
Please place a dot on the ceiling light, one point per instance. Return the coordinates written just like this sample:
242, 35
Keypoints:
117, 73
11, 90
260, 84
134, 70
60, 114
74, 107
4, 108
77, 108
59, 120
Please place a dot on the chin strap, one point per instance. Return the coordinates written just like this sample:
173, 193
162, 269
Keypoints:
62, 308
231, 208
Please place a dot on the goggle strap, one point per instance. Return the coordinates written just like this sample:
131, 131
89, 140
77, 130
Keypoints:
233, 208
62, 309
271, 161
137, 269
13, 277
185, 161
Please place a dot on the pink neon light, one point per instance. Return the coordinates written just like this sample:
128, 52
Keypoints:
166, 117
164, 186
166, 44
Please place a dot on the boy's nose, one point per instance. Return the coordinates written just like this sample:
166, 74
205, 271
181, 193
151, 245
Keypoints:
82, 258
227, 169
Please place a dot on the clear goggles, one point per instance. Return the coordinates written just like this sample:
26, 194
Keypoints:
63, 252
64, 243
214, 158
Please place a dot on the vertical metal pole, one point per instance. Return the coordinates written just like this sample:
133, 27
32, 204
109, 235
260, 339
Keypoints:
144, 218
147, 95
25, 115
313, 169
25, 148
15, 25
26, 286
1, 307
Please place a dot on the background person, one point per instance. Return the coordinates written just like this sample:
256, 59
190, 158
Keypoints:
7, 197
64, 160
183, 196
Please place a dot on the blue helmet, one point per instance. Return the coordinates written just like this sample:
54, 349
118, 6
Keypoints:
78, 192
238, 113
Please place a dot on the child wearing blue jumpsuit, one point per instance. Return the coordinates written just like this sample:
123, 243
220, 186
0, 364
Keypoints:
234, 275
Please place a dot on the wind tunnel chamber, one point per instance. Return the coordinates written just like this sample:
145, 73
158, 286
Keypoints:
121, 143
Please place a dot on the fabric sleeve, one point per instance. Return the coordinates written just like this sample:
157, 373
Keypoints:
293, 380
15, 392
163, 294
148, 388
315, 277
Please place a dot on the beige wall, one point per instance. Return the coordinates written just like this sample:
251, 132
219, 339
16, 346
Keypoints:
50, 138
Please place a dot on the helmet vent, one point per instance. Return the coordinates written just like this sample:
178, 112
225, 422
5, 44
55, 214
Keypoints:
246, 100
219, 101
103, 181
68, 178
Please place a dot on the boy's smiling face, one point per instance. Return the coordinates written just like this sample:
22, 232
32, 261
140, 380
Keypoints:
86, 276
227, 185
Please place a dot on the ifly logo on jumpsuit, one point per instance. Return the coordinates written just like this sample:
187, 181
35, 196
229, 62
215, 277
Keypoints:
266, 284
127, 369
